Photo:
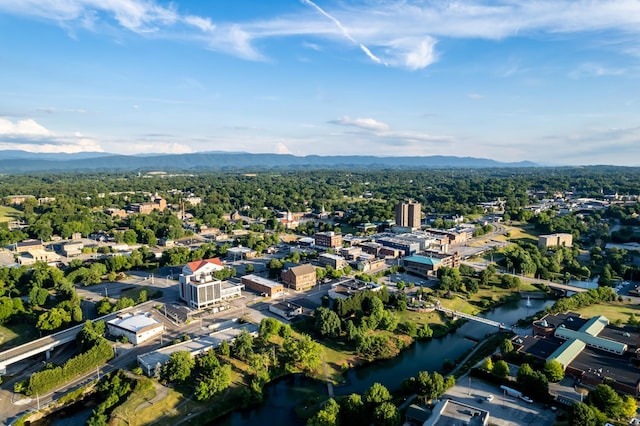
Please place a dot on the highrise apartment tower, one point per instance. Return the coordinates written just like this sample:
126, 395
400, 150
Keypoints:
408, 215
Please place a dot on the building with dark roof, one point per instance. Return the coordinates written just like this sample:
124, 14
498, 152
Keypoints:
589, 349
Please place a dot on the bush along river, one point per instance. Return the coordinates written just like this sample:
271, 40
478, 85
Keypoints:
282, 396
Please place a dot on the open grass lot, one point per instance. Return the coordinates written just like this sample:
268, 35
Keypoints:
473, 304
16, 334
520, 232
612, 310
7, 214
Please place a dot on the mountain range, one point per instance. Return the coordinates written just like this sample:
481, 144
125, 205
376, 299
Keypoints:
27, 162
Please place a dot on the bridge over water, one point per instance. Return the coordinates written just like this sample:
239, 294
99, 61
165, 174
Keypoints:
458, 314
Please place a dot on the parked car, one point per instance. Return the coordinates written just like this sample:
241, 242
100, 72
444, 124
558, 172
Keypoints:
527, 399
490, 398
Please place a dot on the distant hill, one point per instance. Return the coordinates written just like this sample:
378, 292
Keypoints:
25, 162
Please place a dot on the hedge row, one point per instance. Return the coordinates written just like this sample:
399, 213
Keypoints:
47, 380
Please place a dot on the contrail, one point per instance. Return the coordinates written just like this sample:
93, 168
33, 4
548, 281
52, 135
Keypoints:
364, 48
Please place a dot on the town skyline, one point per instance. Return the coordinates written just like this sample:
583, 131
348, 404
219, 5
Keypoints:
547, 82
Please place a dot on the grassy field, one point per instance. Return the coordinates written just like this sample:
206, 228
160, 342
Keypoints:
7, 214
520, 232
16, 334
612, 310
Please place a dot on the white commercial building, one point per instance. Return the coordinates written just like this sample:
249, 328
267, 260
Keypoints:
200, 289
137, 327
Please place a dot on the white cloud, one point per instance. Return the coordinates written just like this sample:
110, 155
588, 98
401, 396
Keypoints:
281, 148
21, 128
383, 132
29, 135
406, 31
595, 70
363, 123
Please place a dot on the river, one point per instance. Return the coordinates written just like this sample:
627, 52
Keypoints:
281, 397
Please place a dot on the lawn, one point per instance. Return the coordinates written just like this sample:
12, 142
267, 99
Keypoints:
142, 408
612, 310
7, 214
16, 334
525, 233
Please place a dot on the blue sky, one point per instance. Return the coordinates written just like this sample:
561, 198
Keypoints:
550, 81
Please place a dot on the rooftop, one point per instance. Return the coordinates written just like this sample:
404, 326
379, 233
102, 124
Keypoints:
135, 322
431, 261
260, 280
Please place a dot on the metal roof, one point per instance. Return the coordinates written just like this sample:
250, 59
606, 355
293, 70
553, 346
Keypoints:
567, 352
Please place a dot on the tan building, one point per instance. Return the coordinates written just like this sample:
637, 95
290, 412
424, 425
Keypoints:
555, 240
262, 285
408, 215
328, 239
28, 245
300, 277
156, 203
16, 200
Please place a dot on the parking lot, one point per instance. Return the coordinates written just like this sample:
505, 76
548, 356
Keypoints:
504, 410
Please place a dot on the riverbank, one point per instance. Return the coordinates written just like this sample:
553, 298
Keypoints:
237, 405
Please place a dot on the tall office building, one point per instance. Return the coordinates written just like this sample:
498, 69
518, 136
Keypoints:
408, 215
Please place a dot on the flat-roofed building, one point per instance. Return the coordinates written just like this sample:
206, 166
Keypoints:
263, 285
429, 265
333, 260
286, 310
451, 412
28, 245
73, 248
137, 327
351, 253
589, 349
328, 239
300, 277
408, 215
406, 246
369, 247
199, 289
555, 240
151, 361
350, 286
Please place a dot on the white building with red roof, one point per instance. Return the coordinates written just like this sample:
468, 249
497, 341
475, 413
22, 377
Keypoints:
200, 289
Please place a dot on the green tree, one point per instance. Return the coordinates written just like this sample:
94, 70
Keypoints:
327, 322
352, 411
53, 320
38, 296
269, 327
553, 370
224, 348
302, 353
488, 364
178, 367
218, 380
582, 415
386, 414
500, 369
376, 395
605, 399
327, 416
243, 346
506, 346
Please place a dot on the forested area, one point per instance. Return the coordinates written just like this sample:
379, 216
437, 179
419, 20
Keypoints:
81, 199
